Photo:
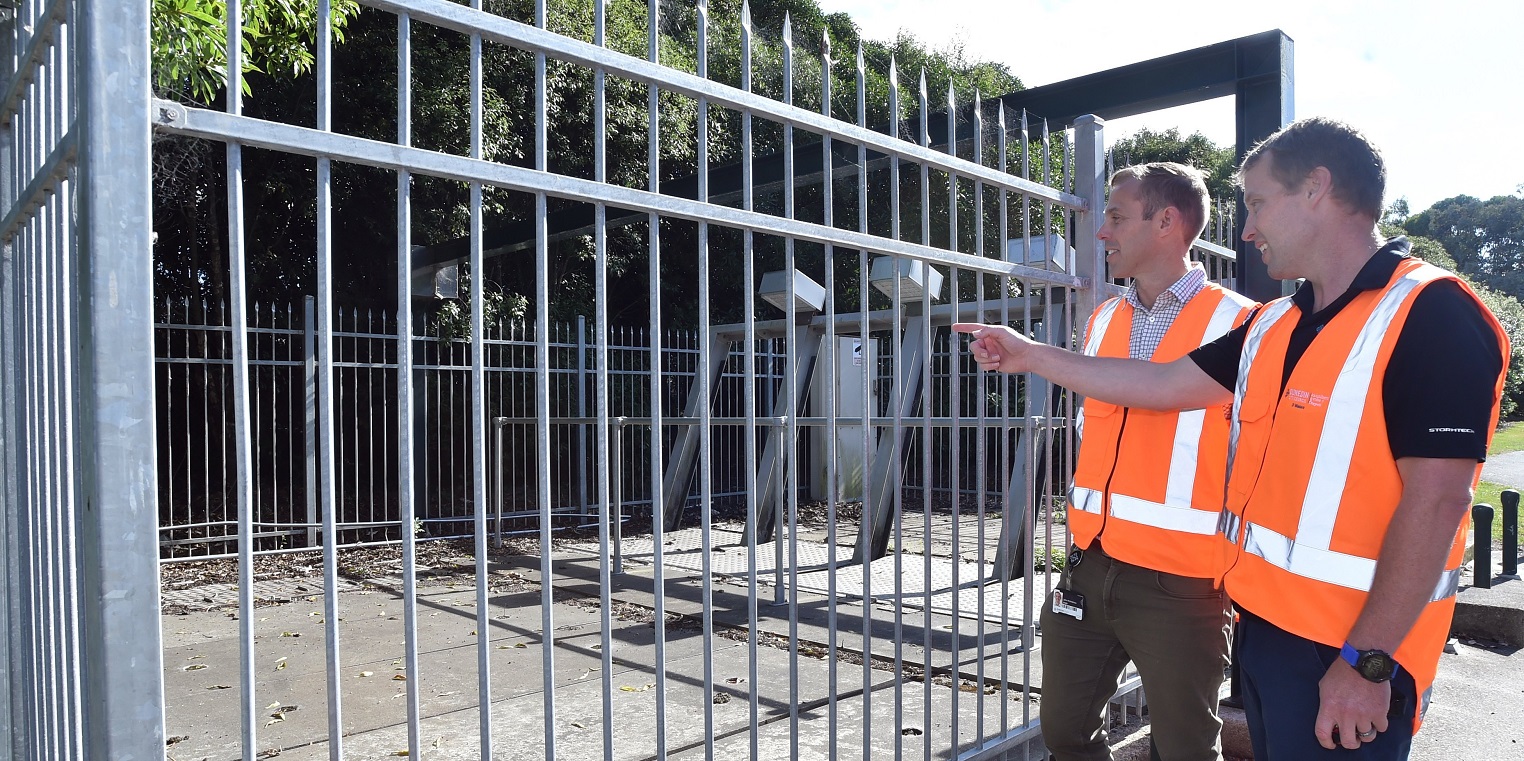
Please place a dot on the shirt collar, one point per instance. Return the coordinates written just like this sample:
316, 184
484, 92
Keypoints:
1376, 273
1183, 289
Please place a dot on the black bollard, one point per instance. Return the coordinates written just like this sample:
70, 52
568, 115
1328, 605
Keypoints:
1481, 571
1511, 533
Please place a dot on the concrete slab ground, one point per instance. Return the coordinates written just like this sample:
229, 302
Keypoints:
204, 674
977, 663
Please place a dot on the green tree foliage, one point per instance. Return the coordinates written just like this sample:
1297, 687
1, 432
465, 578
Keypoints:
1197, 150
280, 189
1486, 238
188, 41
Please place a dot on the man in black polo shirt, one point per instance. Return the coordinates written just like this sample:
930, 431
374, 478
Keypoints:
1362, 407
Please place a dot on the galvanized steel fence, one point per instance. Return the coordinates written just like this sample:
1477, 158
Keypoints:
898, 623
82, 668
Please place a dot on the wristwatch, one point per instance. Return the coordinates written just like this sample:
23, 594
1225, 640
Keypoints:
1375, 665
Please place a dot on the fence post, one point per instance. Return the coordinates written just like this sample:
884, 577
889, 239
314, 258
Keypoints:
1510, 534
122, 689
1090, 184
1481, 569
310, 404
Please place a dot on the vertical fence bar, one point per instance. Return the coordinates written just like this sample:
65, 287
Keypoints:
244, 467
328, 420
13, 669
703, 373
581, 412
123, 694
898, 431
926, 429
954, 354
954, 463
749, 393
55, 422
478, 407
406, 488
542, 401
865, 518
789, 451
832, 453
654, 378
309, 407
606, 453
1008, 538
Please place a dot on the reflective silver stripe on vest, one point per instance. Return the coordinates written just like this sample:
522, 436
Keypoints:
1182, 518
1102, 322
1346, 405
1266, 319
1176, 512
1086, 500
1327, 566
1449, 584
1228, 523
1310, 562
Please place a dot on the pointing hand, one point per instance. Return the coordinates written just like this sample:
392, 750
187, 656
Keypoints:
997, 347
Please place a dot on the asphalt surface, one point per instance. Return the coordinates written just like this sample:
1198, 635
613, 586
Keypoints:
1506, 469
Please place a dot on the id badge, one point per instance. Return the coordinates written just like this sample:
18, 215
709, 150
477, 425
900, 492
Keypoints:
1069, 603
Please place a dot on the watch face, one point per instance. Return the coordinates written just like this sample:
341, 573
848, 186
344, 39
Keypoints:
1376, 666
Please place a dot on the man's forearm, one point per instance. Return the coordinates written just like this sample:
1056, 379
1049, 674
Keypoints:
1436, 495
1131, 382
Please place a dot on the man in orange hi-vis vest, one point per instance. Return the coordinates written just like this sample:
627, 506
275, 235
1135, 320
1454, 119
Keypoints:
1146, 495
1363, 405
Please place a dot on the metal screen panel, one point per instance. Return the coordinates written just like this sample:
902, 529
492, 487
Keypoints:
816, 531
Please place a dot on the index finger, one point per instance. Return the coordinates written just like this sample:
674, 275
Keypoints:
974, 328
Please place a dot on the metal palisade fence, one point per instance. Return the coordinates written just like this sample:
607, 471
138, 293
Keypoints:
810, 528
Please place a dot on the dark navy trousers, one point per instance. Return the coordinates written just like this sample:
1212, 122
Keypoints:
1279, 674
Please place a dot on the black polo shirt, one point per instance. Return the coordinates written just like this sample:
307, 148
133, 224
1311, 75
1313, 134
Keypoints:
1440, 382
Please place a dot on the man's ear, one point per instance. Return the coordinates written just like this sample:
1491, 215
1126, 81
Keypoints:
1318, 184
1167, 221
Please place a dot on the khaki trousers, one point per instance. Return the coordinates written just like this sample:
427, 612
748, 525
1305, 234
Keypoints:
1175, 628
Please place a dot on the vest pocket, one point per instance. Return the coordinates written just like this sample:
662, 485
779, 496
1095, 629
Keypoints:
1255, 415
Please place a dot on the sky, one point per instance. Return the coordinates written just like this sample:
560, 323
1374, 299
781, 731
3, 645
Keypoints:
1438, 85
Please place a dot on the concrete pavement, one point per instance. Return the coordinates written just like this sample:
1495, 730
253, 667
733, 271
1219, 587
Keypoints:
1506, 469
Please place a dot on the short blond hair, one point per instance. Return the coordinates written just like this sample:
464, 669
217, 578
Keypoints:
1162, 184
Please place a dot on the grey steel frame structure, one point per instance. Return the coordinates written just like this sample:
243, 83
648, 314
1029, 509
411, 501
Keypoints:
84, 675
82, 670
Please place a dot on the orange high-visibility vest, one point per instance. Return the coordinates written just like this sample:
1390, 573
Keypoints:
1313, 484
1152, 481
